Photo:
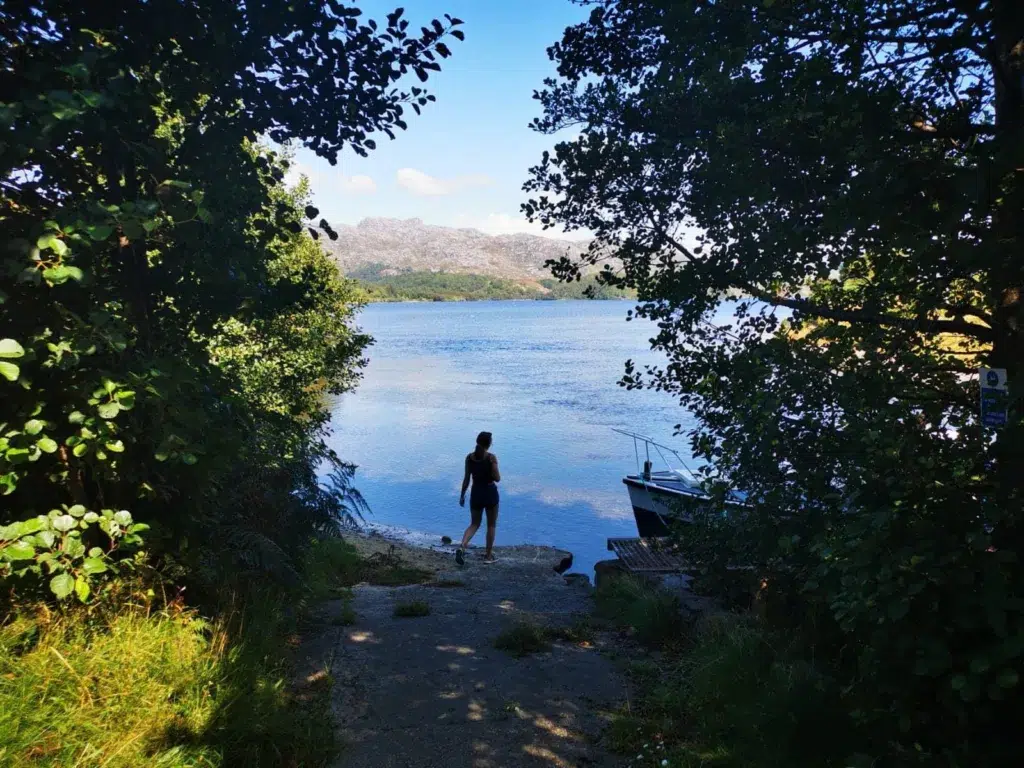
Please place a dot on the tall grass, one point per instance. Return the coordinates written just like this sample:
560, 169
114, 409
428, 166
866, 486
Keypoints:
725, 693
655, 615
127, 686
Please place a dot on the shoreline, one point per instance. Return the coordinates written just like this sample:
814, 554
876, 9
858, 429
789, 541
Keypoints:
415, 548
478, 301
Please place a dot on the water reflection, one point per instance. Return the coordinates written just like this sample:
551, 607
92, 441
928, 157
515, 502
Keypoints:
542, 377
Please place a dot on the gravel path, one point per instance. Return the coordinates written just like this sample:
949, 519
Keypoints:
433, 691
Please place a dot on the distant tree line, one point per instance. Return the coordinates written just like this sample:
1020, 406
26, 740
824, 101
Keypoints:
449, 286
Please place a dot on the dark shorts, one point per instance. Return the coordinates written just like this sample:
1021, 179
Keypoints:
483, 498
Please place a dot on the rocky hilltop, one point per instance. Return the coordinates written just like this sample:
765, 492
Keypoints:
404, 245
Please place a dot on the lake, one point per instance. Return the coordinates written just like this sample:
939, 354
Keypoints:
542, 376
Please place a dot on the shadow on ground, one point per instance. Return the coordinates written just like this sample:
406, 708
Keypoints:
433, 691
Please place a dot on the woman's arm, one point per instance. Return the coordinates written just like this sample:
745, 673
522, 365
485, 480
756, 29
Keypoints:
465, 484
495, 474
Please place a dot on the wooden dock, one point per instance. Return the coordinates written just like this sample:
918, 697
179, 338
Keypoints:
653, 555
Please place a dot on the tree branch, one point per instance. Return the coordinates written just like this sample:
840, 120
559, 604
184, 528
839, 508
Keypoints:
862, 316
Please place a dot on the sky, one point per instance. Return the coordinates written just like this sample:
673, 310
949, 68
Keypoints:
462, 163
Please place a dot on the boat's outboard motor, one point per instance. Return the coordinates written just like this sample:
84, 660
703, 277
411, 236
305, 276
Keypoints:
647, 470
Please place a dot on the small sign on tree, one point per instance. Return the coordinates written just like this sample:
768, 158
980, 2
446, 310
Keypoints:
995, 397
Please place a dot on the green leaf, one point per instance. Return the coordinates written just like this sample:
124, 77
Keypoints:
32, 525
19, 550
115, 447
9, 348
9, 371
82, 589
73, 546
47, 444
77, 510
100, 232
76, 417
61, 274
123, 518
132, 229
64, 523
50, 241
91, 517
126, 398
898, 609
1007, 678
189, 458
62, 585
46, 538
138, 528
109, 410
80, 450
95, 552
94, 565
34, 426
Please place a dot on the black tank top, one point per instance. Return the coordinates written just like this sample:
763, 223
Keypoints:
480, 470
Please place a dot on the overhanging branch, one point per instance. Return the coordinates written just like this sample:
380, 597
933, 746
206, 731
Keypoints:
860, 316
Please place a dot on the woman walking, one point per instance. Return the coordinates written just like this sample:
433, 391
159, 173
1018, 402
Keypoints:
482, 469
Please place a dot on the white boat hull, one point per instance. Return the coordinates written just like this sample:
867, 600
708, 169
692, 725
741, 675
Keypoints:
654, 508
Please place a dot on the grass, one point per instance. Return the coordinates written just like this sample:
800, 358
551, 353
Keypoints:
411, 610
655, 616
163, 688
526, 637
128, 683
522, 639
731, 696
336, 564
346, 617
581, 632
447, 583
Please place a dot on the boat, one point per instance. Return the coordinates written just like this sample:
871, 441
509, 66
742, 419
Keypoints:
665, 498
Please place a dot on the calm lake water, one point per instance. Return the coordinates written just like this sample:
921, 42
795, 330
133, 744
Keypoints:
542, 377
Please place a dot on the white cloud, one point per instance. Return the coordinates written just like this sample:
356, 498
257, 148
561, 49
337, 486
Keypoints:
330, 183
358, 185
504, 224
425, 185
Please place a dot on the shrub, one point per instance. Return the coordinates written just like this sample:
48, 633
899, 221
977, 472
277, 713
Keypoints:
655, 615
734, 697
522, 639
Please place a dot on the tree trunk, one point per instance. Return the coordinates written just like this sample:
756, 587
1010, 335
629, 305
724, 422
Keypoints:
1008, 261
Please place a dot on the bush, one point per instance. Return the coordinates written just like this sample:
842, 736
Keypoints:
655, 615
734, 697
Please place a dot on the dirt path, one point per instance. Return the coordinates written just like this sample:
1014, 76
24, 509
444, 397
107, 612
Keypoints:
433, 691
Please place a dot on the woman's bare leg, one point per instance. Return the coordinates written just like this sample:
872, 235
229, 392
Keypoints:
492, 529
469, 534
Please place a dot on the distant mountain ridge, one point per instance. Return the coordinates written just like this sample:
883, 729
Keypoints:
408, 245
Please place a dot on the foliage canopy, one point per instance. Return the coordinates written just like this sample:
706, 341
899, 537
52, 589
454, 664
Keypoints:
169, 324
852, 169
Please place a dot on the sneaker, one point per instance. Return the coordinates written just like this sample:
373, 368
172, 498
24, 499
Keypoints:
490, 559
460, 557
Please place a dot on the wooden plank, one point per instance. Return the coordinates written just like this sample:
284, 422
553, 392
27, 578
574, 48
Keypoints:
647, 555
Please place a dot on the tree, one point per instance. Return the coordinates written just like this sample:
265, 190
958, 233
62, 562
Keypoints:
851, 169
168, 325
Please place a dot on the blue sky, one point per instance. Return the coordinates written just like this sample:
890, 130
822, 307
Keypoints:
463, 161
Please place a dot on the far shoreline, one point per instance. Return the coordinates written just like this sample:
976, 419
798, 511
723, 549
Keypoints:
477, 301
